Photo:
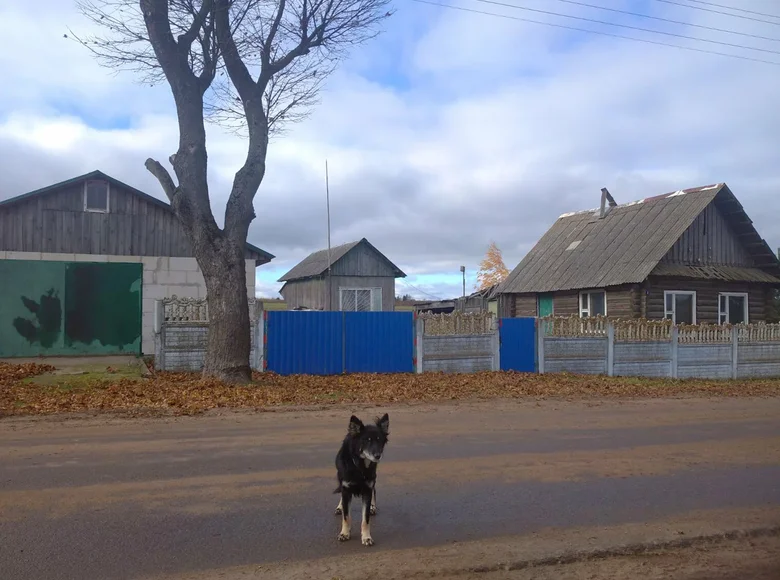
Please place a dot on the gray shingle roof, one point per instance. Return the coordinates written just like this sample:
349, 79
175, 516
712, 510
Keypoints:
582, 251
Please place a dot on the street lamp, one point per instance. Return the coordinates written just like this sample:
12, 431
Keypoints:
463, 272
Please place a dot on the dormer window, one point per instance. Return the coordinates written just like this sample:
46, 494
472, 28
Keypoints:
96, 196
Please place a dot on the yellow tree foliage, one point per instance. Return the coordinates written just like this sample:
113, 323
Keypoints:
492, 269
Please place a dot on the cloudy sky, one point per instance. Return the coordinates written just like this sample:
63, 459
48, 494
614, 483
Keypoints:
450, 130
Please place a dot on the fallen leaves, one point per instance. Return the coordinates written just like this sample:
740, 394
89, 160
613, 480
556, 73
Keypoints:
190, 393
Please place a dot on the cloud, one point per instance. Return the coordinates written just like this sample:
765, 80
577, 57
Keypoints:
451, 130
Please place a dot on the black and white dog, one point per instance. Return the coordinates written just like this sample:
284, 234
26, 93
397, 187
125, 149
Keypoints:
356, 464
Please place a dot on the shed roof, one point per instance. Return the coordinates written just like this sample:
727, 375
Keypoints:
581, 250
316, 263
262, 255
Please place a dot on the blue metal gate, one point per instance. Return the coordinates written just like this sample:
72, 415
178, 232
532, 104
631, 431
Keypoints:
517, 344
379, 342
304, 342
329, 343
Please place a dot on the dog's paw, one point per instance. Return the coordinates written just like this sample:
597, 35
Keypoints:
372, 510
337, 511
367, 541
343, 536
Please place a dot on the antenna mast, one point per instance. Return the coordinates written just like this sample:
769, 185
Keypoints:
327, 202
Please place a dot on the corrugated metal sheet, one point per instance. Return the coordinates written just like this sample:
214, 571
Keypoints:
379, 342
582, 251
305, 342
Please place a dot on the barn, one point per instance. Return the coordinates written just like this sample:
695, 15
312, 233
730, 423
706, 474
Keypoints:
82, 263
360, 278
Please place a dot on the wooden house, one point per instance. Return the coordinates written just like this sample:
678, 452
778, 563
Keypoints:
692, 256
82, 263
360, 278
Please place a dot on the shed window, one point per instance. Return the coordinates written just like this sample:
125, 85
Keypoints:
360, 299
733, 308
96, 196
680, 306
593, 303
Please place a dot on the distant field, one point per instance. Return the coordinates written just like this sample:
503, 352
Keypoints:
280, 305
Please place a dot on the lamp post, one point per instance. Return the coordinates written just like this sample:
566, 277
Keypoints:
463, 273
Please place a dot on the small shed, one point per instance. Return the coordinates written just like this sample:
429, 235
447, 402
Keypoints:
361, 278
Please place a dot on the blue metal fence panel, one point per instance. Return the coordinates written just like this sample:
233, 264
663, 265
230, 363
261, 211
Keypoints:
379, 342
304, 342
518, 344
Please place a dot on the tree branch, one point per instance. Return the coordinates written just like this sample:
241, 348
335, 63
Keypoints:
236, 68
162, 175
186, 39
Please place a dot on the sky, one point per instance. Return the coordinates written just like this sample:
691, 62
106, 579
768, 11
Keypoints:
450, 130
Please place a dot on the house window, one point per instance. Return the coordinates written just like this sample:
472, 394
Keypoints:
733, 308
680, 306
96, 196
593, 303
360, 299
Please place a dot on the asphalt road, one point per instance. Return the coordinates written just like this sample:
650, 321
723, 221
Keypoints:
99, 499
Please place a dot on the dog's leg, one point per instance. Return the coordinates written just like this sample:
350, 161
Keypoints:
365, 524
338, 508
346, 496
373, 501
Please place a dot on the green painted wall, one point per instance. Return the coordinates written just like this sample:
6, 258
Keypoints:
69, 308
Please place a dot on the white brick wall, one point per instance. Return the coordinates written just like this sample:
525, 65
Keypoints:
162, 278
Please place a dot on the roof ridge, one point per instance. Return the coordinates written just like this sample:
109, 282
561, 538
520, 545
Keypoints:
677, 193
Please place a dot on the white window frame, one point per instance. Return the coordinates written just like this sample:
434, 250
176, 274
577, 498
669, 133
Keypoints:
587, 310
727, 295
673, 311
374, 291
108, 196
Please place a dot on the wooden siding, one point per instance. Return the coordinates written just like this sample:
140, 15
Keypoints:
707, 292
524, 305
312, 292
362, 261
709, 240
55, 222
309, 293
566, 303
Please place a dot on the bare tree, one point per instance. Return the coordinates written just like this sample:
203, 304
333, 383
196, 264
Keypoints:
254, 65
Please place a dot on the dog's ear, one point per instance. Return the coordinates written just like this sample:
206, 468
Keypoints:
384, 424
355, 426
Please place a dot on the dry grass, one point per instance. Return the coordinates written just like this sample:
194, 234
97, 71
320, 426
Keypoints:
189, 393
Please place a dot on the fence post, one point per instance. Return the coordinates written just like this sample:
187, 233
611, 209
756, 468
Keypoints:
610, 349
540, 330
159, 347
260, 341
673, 362
419, 332
496, 344
734, 351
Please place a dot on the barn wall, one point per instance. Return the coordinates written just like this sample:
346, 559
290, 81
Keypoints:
55, 222
362, 261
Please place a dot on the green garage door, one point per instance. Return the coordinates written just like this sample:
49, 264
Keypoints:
69, 308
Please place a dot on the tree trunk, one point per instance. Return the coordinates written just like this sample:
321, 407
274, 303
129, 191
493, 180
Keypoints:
229, 343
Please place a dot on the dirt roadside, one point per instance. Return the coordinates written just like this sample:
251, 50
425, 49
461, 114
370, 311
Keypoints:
739, 544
